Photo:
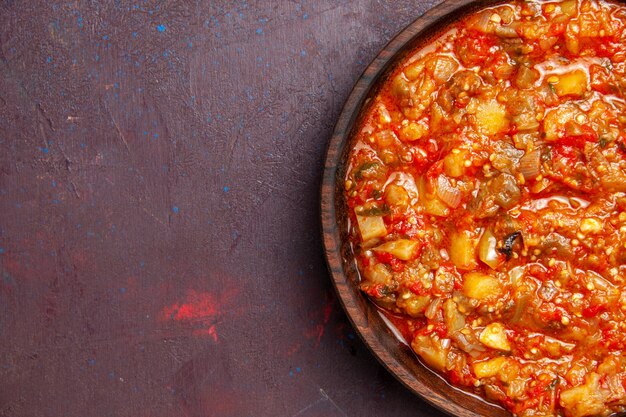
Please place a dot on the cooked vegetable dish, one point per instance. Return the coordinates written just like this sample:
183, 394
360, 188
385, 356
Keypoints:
486, 189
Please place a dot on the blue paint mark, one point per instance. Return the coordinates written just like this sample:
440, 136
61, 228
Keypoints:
116, 85
134, 34
298, 369
263, 20
83, 145
44, 150
122, 290
259, 31
156, 135
79, 20
91, 362
1, 251
190, 44
226, 189
208, 118
161, 28
290, 373
166, 54
303, 53
8, 279
175, 209
49, 59
142, 264
305, 16
97, 57
105, 37
145, 132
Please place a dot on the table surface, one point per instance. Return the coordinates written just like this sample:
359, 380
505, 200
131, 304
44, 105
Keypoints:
159, 238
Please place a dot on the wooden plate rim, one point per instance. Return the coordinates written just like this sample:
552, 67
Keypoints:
394, 356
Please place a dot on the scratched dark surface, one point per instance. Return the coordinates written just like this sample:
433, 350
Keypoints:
159, 233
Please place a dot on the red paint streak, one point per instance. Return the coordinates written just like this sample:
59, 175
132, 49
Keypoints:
198, 306
211, 332
317, 332
199, 310
328, 309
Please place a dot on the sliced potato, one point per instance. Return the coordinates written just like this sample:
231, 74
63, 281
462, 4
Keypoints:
454, 164
378, 274
494, 337
431, 351
462, 250
371, 227
431, 203
481, 286
442, 67
491, 118
402, 248
453, 318
396, 195
555, 120
415, 305
413, 131
489, 367
584, 400
436, 207
573, 83
569, 7
413, 71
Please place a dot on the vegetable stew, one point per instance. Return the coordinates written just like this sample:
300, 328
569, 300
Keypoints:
486, 190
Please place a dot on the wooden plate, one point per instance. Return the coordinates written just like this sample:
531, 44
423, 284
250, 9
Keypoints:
395, 356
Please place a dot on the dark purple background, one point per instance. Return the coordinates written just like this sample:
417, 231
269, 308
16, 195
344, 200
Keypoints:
159, 236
